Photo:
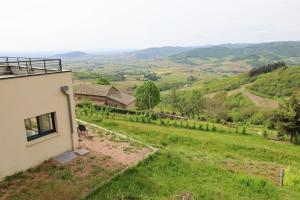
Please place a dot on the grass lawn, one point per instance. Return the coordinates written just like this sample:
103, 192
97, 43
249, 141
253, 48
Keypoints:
194, 164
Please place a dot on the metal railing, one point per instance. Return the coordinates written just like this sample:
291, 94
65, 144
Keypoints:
32, 64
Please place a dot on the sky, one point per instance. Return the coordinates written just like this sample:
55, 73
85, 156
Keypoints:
91, 25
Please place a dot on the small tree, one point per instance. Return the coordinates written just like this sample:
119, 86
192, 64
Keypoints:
194, 125
244, 130
236, 129
287, 118
200, 127
207, 127
174, 99
214, 128
147, 96
175, 123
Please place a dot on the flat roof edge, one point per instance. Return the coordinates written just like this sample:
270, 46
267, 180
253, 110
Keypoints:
30, 75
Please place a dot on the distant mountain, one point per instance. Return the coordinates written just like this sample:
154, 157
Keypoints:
255, 54
159, 52
71, 54
233, 46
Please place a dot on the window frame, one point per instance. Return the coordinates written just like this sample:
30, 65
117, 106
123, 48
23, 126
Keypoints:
44, 133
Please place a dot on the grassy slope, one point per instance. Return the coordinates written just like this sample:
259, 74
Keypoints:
281, 82
219, 84
205, 164
262, 90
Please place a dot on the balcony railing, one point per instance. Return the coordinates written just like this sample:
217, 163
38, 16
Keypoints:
30, 65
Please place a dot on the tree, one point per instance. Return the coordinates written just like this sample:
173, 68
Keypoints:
191, 104
217, 106
174, 99
266, 68
151, 76
101, 81
287, 118
194, 104
147, 96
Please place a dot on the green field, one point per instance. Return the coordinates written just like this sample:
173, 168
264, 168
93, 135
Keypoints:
201, 165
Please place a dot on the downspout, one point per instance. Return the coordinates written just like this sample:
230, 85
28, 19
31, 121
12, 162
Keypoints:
66, 90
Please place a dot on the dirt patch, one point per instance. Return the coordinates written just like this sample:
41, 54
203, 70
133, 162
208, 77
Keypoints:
262, 169
108, 155
118, 149
184, 196
260, 101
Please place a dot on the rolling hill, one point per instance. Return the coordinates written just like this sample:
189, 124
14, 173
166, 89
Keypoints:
158, 52
255, 54
72, 54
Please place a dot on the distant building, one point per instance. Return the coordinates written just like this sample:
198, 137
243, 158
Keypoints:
104, 95
37, 116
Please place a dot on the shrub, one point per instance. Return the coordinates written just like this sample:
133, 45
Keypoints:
244, 130
137, 118
236, 129
187, 125
18, 175
103, 108
143, 120
292, 178
148, 119
194, 125
168, 122
181, 124
214, 128
161, 122
265, 134
97, 119
207, 127
65, 174
200, 127
101, 81
175, 123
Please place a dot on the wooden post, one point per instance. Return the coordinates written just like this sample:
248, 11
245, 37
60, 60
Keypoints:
281, 177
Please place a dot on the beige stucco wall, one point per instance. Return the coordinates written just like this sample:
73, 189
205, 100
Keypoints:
25, 97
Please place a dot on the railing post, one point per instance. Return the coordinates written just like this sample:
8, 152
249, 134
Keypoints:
19, 63
26, 66
60, 68
30, 64
7, 64
45, 66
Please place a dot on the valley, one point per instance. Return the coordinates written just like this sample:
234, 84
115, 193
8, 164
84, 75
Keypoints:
221, 141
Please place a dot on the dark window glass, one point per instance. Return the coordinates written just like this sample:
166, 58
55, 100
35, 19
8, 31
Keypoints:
40, 126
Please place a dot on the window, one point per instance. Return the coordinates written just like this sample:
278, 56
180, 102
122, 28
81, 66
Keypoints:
40, 126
